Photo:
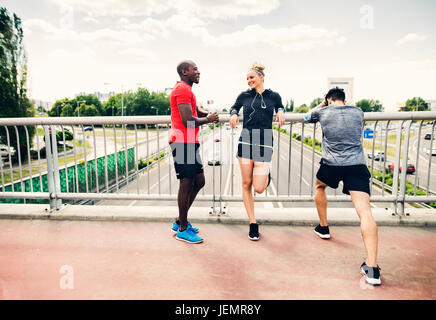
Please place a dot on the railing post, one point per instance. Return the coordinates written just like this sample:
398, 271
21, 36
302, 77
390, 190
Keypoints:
52, 167
404, 168
397, 165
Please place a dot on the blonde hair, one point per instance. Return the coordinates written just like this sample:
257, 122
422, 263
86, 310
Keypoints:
257, 67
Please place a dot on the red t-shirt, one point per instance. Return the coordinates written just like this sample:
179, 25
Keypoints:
182, 93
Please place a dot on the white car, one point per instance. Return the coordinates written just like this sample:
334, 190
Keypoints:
433, 151
4, 152
379, 156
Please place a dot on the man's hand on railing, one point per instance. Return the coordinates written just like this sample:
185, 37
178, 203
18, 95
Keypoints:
234, 121
213, 117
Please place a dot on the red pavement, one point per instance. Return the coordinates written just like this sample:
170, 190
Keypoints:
142, 260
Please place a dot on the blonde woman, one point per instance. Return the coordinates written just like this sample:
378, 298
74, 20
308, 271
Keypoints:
255, 145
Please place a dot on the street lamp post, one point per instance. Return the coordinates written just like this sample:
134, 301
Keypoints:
122, 101
62, 105
78, 109
122, 98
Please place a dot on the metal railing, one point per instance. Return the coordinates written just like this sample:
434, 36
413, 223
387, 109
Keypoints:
91, 166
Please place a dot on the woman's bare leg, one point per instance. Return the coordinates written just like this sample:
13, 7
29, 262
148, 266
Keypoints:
246, 166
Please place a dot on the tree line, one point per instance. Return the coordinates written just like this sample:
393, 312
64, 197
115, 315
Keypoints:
367, 105
131, 103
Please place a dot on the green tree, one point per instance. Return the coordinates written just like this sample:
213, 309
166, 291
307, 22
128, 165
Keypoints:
316, 102
370, 105
88, 110
289, 107
40, 109
58, 107
112, 105
67, 111
89, 100
13, 81
141, 102
302, 109
416, 104
60, 137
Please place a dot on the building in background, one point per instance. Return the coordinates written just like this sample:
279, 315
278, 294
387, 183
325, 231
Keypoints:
103, 97
345, 83
42, 105
431, 104
401, 106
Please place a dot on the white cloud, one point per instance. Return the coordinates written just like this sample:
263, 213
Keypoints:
85, 54
139, 52
222, 9
120, 36
411, 37
90, 19
48, 29
118, 8
296, 38
115, 36
225, 9
400, 80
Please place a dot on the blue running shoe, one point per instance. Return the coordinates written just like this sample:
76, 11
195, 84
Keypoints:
175, 227
189, 236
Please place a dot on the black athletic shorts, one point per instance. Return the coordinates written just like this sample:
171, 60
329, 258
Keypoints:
355, 178
256, 144
187, 160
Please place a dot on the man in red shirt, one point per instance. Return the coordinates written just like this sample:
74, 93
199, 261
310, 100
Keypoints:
186, 118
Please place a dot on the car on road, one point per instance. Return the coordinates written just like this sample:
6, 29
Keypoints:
410, 168
88, 129
379, 156
427, 136
214, 158
217, 140
4, 151
433, 152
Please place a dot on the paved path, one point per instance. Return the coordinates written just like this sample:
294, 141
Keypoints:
142, 260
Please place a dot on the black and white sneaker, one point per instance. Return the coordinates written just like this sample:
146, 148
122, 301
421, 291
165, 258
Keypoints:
254, 232
372, 275
322, 232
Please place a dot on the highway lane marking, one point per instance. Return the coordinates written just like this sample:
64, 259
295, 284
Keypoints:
274, 190
304, 180
154, 185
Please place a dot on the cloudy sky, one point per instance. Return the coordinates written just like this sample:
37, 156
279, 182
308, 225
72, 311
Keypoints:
388, 46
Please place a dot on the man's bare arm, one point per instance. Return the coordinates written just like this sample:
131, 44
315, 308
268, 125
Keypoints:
201, 113
186, 116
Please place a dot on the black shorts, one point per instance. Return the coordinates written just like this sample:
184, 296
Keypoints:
187, 160
355, 178
256, 144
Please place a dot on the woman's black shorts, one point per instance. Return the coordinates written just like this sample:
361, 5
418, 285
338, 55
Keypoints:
355, 178
256, 144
